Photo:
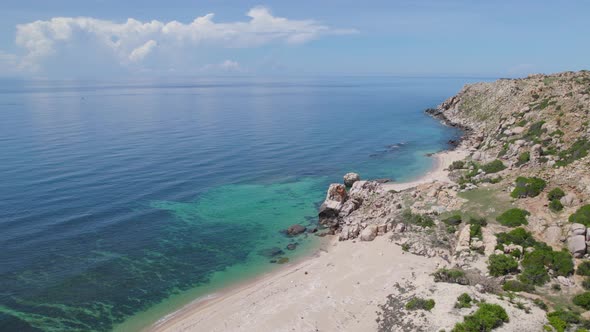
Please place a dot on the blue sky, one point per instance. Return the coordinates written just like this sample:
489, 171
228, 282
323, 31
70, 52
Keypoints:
107, 38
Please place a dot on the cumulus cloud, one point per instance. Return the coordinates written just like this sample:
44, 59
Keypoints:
133, 41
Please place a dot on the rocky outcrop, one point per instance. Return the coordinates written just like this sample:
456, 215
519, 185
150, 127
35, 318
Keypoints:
330, 209
351, 178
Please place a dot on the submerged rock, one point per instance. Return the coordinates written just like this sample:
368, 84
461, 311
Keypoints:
271, 252
295, 229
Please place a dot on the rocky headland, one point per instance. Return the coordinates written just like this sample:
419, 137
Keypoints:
494, 238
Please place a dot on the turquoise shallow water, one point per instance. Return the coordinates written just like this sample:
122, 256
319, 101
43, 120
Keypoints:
122, 201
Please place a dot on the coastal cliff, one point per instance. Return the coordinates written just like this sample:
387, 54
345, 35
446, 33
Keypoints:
510, 218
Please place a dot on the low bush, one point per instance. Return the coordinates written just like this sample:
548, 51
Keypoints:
584, 269
453, 220
486, 318
586, 283
578, 150
555, 205
582, 300
528, 187
555, 193
517, 236
500, 264
493, 166
535, 130
517, 286
457, 164
417, 303
562, 319
535, 264
451, 276
513, 217
463, 301
581, 216
523, 158
421, 220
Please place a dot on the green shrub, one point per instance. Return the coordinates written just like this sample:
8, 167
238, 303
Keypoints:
457, 164
535, 264
584, 269
558, 324
463, 301
493, 166
582, 300
535, 130
517, 236
555, 205
586, 283
501, 264
453, 220
555, 193
578, 150
504, 150
451, 276
486, 318
561, 319
417, 303
528, 187
523, 158
562, 263
417, 219
581, 216
517, 286
513, 217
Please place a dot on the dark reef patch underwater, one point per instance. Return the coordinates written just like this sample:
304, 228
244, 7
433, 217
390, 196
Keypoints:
122, 202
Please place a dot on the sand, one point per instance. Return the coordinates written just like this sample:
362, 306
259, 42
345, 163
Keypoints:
439, 172
338, 289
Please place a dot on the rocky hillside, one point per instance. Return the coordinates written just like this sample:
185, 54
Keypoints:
513, 219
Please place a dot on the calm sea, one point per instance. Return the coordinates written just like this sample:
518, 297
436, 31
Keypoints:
120, 201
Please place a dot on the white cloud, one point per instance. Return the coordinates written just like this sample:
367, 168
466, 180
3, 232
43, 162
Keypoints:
132, 41
139, 53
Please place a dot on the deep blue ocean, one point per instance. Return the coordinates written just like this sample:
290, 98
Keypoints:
120, 201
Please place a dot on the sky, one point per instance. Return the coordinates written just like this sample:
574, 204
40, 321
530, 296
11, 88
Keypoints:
156, 38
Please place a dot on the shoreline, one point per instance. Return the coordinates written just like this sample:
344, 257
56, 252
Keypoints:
201, 310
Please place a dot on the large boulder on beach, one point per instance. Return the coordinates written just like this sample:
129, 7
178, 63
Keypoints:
334, 201
351, 178
369, 233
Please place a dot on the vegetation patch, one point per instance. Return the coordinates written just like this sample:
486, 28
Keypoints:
513, 218
555, 193
421, 220
463, 301
486, 318
583, 269
517, 286
535, 130
457, 164
536, 263
517, 236
417, 303
555, 205
453, 220
581, 216
523, 158
500, 265
528, 187
451, 276
582, 300
493, 166
578, 150
561, 320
